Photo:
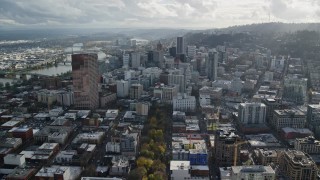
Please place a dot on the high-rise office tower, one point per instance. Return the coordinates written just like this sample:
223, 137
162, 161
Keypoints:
158, 58
192, 51
85, 80
212, 65
173, 51
122, 88
225, 145
180, 45
252, 113
126, 60
136, 91
295, 89
135, 62
177, 79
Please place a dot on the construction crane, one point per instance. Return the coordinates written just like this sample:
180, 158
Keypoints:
235, 155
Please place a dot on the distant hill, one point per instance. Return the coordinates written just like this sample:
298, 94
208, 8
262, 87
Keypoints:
298, 40
267, 28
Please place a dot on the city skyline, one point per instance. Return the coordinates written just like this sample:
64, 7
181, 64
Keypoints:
191, 14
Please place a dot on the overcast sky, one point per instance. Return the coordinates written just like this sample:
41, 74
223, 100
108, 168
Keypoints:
195, 14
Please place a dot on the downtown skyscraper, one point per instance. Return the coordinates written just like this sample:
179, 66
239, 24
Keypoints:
212, 65
85, 80
180, 45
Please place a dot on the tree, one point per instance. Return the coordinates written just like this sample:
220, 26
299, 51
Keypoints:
1, 85
153, 122
156, 135
144, 162
158, 166
147, 153
137, 173
157, 176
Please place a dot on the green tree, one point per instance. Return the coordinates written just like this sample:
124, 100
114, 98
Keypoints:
137, 173
153, 122
146, 153
156, 135
158, 166
144, 162
157, 176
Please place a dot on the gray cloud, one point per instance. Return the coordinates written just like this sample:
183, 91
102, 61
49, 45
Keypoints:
148, 13
282, 10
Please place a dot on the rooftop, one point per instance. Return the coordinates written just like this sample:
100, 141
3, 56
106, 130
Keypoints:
19, 129
179, 165
75, 171
289, 112
308, 140
11, 141
299, 157
99, 178
263, 140
252, 169
297, 130
20, 173
112, 111
268, 153
10, 123
48, 146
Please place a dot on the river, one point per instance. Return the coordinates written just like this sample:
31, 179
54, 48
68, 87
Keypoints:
51, 71
54, 70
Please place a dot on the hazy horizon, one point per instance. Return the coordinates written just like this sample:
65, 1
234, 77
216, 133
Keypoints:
153, 14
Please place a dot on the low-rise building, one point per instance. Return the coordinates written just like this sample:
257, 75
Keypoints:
266, 157
113, 147
142, 108
313, 118
204, 100
53, 147
14, 159
308, 145
225, 173
59, 172
288, 133
183, 102
252, 172
65, 98
65, 156
57, 134
107, 99
129, 144
94, 138
165, 93
263, 141
120, 166
11, 142
297, 165
10, 124
21, 174
47, 96
112, 114
293, 118
56, 112
180, 170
